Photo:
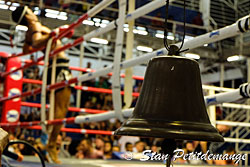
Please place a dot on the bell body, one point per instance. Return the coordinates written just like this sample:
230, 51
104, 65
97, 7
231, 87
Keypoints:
171, 103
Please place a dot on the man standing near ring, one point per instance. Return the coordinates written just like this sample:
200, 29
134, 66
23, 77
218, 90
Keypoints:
37, 36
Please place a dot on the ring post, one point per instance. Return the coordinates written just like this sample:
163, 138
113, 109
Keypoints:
116, 85
78, 99
128, 84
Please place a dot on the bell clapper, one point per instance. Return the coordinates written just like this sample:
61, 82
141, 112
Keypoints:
167, 147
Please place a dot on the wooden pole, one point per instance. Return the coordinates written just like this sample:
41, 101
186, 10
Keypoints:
128, 87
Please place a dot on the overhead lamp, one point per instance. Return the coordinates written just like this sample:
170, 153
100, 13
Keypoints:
99, 41
88, 22
63, 13
52, 11
8, 3
144, 49
159, 36
15, 4
37, 12
234, 58
141, 32
126, 25
51, 15
170, 37
105, 21
21, 28
205, 45
97, 24
36, 8
141, 28
97, 20
126, 29
60, 17
12, 8
192, 55
3, 6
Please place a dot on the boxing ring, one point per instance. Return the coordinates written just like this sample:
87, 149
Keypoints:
223, 99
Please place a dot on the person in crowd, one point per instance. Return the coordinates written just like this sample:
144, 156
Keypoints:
125, 139
86, 150
99, 144
60, 148
230, 151
198, 21
158, 23
116, 149
107, 150
129, 147
139, 147
190, 146
154, 148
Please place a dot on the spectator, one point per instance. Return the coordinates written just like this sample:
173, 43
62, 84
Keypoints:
125, 139
107, 150
99, 145
86, 150
158, 23
229, 151
154, 148
60, 149
129, 147
116, 149
139, 147
197, 21
190, 147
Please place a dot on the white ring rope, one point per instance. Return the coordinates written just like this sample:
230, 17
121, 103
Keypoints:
44, 85
149, 7
52, 93
217, 35
242, 92
116, 85
22, 15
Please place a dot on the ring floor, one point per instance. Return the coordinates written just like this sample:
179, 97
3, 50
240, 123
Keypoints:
31, 161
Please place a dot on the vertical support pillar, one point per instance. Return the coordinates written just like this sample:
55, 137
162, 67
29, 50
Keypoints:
205, 10
116, 85
128, 87
248, 75
222, 71
78, 98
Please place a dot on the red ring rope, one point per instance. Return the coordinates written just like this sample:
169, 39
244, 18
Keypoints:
35, 125
49, 122
72, 109
85, 88
60, 85
82, 131
87, 70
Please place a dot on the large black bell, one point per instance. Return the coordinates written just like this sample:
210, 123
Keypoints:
171, 104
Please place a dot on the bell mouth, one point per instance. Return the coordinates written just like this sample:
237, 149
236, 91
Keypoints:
170, 130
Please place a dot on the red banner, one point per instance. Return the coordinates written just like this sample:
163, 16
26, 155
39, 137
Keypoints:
12, 86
